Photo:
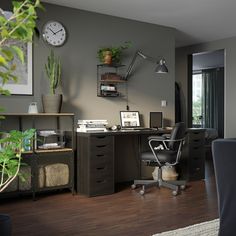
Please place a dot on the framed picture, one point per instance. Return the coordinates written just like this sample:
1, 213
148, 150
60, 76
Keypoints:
24, 73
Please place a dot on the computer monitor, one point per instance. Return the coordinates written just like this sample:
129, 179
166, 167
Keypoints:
129, 119
156, 119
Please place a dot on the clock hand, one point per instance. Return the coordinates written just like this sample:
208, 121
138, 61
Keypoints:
51, 30
58, 31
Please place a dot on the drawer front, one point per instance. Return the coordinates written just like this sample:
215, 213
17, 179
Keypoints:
100, 150
196, 134
98, 169
101, 159
100, 141
196, 142
196, 152
197, 173
102, 145
101, 185
196, 162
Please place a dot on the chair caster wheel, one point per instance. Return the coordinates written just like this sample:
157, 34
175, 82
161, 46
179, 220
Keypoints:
182, 187
174, 192
133, 186
142, 192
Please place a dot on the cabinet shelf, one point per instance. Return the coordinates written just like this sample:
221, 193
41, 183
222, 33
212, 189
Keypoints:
111, 96
48, 151
117, 81
111, 65
110, 82
54, 150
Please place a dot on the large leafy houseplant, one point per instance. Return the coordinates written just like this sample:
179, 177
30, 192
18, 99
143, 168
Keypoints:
18, 27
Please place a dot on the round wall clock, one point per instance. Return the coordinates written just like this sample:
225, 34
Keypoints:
54, 33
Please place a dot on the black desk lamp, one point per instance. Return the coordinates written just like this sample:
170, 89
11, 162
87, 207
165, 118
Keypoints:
161, 67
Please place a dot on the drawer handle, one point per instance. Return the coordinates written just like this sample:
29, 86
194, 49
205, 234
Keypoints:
196, 132
197, 169
101, 181
100, 137
196, 140
100, 146
101, 168
100, 155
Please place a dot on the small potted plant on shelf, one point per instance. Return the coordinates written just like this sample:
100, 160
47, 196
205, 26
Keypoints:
52, 102
112, 55
19, 25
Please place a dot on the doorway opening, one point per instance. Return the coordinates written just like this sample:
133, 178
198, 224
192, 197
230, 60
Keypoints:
206, 92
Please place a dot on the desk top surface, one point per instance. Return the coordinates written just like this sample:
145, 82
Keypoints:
124, 132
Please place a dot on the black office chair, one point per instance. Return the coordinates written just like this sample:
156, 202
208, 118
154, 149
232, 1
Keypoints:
168, 155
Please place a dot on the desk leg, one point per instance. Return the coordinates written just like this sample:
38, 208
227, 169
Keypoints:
138, 156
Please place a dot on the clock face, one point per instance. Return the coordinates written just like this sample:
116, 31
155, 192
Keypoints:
54, 33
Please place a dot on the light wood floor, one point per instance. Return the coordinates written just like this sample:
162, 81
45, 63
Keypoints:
123, 213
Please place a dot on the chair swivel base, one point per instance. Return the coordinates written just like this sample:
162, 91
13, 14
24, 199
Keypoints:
174, 185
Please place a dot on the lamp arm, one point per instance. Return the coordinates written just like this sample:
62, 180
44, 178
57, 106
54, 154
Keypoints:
131, 65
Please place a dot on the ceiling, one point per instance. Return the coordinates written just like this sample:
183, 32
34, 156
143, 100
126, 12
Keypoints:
195, 21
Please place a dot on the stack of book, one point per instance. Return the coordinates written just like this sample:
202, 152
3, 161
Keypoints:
91, 125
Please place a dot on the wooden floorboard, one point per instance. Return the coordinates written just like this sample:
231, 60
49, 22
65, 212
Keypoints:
122, 213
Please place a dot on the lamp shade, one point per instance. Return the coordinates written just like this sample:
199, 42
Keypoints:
161, 67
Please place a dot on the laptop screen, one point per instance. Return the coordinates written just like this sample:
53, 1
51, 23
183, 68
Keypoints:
129, 119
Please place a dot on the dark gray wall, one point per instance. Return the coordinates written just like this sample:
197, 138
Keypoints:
229, 45
87, 32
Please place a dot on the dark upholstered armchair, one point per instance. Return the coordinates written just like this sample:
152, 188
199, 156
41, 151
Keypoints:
224, 158
168, 155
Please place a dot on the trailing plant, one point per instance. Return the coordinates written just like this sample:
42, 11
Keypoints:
12, 146
18, 27
53, 71
116, 52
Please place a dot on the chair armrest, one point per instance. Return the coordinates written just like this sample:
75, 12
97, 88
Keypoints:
167, 136
174, 140
156, 138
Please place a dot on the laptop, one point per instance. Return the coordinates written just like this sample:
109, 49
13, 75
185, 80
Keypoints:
130, 120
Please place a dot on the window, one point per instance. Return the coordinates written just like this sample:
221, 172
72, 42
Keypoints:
197, 100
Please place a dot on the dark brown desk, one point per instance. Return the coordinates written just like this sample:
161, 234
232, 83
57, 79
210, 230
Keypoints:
106, 158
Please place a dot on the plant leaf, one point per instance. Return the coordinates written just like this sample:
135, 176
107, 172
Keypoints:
19, 53
3, 61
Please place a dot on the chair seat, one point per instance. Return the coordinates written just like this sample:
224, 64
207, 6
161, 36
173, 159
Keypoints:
163, 156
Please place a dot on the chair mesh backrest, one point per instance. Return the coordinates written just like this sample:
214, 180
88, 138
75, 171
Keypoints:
178, 132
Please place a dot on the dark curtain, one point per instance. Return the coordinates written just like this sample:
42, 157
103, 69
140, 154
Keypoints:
178, 117
213, 99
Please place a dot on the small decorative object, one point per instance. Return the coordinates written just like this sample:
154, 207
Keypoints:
54, 33
33, 108
52, 102
116, 53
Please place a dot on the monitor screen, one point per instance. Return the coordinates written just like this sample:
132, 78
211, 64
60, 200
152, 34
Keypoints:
156, 119
129, 119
